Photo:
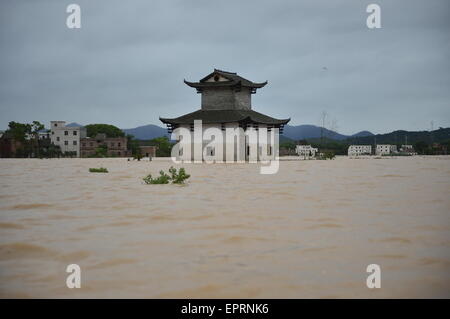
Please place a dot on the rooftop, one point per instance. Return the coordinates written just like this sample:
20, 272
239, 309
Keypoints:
225, 116
220, 78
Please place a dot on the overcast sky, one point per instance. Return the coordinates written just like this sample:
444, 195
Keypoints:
126, 64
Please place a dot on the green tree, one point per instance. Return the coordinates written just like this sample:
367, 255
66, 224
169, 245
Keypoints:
28, 135
35, 127
288, 145
421, 147
19, 131
163, 146
133, 146
110, 130
101, 151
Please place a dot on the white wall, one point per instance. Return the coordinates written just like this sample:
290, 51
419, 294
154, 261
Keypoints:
69, 142
354, 150
383, 149
231, 139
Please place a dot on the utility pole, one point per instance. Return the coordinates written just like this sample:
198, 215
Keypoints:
431, 131
323, 116
375, 146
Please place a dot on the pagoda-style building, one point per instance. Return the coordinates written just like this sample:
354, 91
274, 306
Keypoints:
226, 103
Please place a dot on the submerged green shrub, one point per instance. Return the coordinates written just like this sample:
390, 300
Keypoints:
162, 179
176, 177
327, 155
98, 170
180, 177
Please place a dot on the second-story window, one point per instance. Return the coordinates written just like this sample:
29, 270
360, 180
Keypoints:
118, 144
74, 142
57, 138
66, 142
66, 132
74, 132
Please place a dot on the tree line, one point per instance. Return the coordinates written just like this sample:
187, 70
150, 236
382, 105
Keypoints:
22, 140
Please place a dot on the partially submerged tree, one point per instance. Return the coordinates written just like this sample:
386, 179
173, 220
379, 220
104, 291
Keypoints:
163, 146
176, 177
27, 135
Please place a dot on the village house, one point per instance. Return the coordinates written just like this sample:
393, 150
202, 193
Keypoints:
356, 150
9, 145
67, 137
148, 151
306, 151
44, 134
407, 149
226, 104
115, 146
385, 149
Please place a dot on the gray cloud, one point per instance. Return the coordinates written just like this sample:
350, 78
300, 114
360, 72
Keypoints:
125, 66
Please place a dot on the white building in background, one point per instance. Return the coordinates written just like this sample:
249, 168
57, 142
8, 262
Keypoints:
385, 149
355, 150
306, 151
66, 137
407, 149
43, 134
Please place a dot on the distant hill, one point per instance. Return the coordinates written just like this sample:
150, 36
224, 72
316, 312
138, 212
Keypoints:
301, 132
401, 137
295, 133
74, 124
284, 139
147, 132
362, 134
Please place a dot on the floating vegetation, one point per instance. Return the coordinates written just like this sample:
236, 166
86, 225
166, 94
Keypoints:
327, 155
162, 179
98, 170
175, 177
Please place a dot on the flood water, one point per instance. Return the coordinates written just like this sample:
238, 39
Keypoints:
308, 231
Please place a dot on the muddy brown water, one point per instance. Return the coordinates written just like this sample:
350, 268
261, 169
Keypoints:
308, 231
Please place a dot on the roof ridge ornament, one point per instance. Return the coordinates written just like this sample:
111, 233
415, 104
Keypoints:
222, 71
233, 79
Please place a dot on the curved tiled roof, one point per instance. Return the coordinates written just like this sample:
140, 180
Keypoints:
224, 116
232, 77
